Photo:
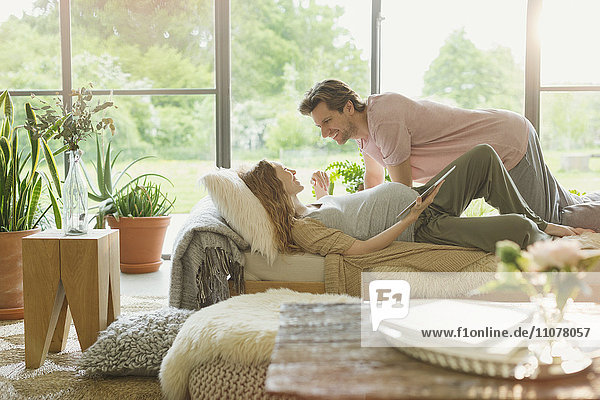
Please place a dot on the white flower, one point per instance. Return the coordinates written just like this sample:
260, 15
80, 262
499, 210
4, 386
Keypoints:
559, 253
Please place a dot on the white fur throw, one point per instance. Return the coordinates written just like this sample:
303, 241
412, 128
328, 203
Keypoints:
242, 210
241, 329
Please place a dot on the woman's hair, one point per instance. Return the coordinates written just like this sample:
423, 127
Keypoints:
334, 93
263, 182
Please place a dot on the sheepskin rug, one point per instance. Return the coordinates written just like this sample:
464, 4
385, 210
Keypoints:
239, 330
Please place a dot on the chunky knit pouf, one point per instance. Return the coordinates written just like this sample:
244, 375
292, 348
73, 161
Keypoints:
223, 351
227, 380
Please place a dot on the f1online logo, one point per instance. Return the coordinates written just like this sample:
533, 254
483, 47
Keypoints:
388, 299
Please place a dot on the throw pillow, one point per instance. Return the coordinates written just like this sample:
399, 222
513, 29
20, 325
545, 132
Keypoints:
242, 210
134, 344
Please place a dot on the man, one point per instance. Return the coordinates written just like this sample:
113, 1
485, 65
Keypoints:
414, 140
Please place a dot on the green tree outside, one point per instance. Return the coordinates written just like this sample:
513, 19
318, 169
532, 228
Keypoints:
475, 78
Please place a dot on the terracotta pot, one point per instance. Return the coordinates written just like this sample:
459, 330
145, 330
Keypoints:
11, 273
140, 242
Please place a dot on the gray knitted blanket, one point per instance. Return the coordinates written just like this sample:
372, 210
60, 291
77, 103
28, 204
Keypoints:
206, 251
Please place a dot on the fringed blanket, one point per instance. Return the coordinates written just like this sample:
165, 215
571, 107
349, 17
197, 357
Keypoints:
206, 251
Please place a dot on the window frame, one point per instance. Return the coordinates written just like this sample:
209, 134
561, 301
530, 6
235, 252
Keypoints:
533, 87
222, 87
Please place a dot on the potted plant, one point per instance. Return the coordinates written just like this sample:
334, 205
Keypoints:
21, 187
108, 180
351, 173
140, 211
73, 126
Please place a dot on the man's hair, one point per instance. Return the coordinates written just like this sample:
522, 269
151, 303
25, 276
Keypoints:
334, 93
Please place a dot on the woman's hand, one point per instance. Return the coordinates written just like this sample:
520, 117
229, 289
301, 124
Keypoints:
423, 204
320, 183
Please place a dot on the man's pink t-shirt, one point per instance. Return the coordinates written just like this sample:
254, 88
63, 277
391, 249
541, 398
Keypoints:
434, 134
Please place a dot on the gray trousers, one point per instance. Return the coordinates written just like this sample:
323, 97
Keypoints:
479, 173
546, 197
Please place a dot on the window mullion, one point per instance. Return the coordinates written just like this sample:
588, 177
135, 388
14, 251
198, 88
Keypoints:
532, 63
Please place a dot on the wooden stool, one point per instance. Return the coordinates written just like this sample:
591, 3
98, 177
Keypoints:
64, 275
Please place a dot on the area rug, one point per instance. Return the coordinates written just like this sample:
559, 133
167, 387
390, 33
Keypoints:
57, 378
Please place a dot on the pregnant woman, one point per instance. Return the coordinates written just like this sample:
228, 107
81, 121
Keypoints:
366, 221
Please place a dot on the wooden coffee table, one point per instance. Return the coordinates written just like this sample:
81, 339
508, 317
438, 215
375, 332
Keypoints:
64, 275
318, 355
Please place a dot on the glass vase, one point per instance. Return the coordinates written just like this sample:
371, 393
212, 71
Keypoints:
75, 197
557, 355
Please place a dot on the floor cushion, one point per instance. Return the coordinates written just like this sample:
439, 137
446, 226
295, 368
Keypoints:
134, 344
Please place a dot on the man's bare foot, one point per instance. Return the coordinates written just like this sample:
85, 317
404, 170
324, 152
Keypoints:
562, 230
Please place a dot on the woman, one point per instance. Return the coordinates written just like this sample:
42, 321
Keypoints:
369, 217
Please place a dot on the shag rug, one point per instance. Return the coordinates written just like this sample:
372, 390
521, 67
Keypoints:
58, 378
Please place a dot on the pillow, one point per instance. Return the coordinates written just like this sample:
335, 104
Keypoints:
583, 215
134, 344
242, 210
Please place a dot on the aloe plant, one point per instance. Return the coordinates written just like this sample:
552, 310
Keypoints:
144, 199
21, 187
107, 181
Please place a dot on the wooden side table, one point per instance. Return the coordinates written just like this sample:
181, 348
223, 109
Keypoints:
64, 275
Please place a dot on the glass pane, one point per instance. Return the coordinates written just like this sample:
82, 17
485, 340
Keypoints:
30, 45
570, 137
21, 118
19, 106
143, 43
279, 50
468, 53
569, 35
178, 130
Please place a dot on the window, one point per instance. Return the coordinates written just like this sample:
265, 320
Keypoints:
155, 59
278, 51
570, 98
468, 53
159, 61
30, 46
143, 44
569, 34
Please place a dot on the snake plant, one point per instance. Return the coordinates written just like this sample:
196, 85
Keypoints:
21, 186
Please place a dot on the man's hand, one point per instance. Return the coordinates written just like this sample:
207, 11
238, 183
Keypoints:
320, 183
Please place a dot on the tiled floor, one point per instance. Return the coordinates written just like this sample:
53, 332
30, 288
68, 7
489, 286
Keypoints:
177, 221
155, 283
152, 284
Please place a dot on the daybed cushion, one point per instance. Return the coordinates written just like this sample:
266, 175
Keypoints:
304, 267
242, 210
